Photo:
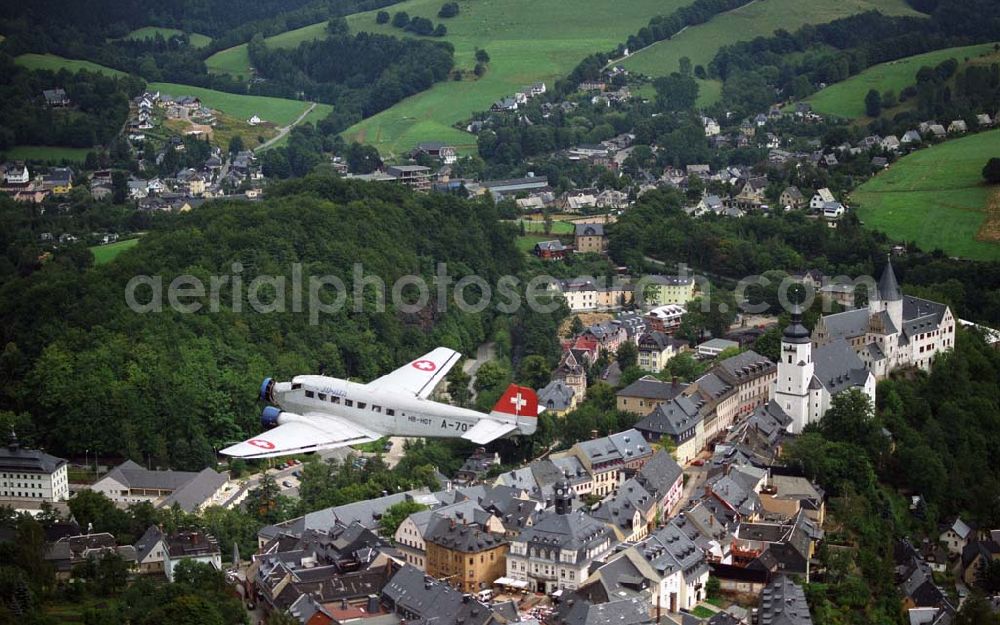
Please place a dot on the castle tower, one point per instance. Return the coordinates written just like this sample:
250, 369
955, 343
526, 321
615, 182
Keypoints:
889, 297
795, 372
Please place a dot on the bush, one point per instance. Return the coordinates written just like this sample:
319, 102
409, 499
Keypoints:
401, 19
991, 172
448, 9
382, 17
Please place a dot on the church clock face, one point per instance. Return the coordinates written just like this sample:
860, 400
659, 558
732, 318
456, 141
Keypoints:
559, 492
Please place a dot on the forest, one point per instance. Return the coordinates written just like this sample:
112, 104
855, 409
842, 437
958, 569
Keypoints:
375, 71
99, 106
80, 370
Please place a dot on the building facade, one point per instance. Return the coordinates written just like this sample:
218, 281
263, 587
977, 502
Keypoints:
31, 477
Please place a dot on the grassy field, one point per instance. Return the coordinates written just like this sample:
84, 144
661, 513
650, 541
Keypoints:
537, 226
757, 19
47, 153
150, 32
937, 198
527, 40
236, 61
107, 253
55, 63
847, 98
276, 110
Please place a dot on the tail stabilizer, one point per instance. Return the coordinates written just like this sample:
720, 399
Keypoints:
518, 405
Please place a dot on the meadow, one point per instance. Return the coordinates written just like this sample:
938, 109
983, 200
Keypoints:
937, 198
150, 32
528, 41
107, 253
757, 19
55, 63
276, 110
46, 153
847, 98
236, 62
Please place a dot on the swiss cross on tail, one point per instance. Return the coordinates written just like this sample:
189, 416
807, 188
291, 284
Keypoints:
518, 401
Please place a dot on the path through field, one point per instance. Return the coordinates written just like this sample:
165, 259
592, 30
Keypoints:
284, 130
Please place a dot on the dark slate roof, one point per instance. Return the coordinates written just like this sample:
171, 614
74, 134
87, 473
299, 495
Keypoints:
134, 475
556, 395
669, 549
888, 288
590, 230
574, 531
673, 417
632, 611
796, 332
149, 540
712, 386
745, 366
838, 367
648, 387
551, 246
659, 474
630, 444
461, 537
600, 450
197, 490
14, 458
783, 602
847, 324
413, 592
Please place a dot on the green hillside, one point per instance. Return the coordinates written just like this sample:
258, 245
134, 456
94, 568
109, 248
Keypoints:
846, 99
236, 62
937, 198
276, 110
150, 32
46, 153
527, 40
757, 19
55, 63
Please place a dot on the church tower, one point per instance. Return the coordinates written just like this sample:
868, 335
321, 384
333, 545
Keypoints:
795, 372
563, 497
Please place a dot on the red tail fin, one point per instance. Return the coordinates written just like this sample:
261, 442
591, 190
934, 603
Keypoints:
518, 401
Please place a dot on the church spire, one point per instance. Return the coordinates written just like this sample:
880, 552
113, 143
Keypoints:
796, 332
888, 288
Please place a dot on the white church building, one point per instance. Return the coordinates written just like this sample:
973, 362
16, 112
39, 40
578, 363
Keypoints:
855, 348
809, 377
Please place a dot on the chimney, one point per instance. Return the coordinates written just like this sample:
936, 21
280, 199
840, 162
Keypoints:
343, 604
593, 434
674, 382
372, 606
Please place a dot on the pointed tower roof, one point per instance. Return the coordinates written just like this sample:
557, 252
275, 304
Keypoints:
796, 332
888, 288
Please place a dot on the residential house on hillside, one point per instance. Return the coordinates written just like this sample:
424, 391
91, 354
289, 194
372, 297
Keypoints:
56, 98
590, 238
791, 197
190, 545
557, 398
656, 349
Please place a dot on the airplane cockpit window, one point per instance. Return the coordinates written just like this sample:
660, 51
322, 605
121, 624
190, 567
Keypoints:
310, 394
296, 386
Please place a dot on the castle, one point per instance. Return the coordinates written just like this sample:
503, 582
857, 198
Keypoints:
853, 349
895, 330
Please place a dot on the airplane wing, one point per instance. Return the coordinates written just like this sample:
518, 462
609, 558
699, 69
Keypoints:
311, 432
421, 375
486, 430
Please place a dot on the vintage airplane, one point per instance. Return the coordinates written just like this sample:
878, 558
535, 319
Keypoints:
317, 412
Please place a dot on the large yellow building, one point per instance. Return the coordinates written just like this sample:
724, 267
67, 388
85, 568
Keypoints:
661, 290
465, 555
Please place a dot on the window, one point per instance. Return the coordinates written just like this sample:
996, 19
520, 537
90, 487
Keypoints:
376, 408
310, 394
322, 396
390, 412
335, 399
296, 386
348, 402
362, 405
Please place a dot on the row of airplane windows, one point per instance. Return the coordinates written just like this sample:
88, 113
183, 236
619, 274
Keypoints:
335, 399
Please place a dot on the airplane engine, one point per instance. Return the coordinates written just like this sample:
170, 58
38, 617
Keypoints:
267, 389
271, 417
